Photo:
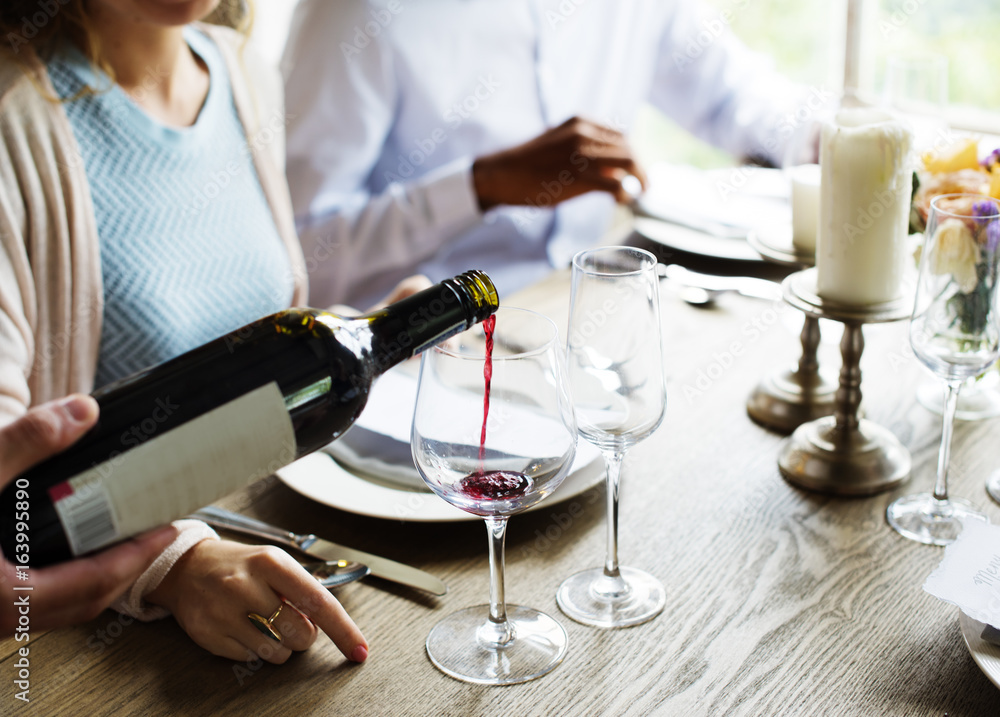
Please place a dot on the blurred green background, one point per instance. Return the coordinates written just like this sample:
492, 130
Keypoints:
805, 38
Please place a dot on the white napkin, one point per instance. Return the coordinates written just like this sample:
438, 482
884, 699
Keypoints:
969, 574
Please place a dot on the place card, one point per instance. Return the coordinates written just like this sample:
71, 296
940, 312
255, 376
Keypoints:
969, 574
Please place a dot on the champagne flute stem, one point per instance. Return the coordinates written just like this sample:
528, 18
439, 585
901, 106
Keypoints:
950, 406
613, 463
498, 631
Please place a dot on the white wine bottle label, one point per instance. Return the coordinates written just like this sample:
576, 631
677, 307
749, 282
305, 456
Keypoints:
174, 474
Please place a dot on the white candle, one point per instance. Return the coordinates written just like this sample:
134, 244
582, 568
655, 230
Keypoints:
805, 206
864, 207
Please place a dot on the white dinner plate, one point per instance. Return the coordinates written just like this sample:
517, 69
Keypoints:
319, 477
739, 200
695, 242
986, 655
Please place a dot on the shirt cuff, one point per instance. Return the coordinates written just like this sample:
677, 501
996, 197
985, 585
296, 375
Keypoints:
132, 602
451, 194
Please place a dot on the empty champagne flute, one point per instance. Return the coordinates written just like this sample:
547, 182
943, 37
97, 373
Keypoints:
615, 364
955, 332
494, 434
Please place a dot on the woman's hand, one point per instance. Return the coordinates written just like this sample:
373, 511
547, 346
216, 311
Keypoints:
217, 583
77, 590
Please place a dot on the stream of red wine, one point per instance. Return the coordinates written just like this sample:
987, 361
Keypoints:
483, 484
488, 326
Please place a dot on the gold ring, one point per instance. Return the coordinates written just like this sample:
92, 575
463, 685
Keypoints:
264, 623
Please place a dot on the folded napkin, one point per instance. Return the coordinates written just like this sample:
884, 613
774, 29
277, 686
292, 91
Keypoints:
969, 576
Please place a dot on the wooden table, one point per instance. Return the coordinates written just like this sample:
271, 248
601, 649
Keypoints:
779, 602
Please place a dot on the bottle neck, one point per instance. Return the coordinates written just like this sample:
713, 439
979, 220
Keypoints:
411, 325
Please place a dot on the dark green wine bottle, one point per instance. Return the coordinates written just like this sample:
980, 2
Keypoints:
182, 434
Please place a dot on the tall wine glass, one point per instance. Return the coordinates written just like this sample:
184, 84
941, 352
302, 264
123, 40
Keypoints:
955, 332
494, 468
615, 363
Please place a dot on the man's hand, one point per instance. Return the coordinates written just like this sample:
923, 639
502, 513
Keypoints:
576, 157
78, 590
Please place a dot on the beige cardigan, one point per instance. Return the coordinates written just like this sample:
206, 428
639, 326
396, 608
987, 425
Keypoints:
51, 295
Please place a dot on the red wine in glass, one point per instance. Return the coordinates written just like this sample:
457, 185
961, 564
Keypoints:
494, 485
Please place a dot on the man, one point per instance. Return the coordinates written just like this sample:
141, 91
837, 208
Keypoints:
439, 136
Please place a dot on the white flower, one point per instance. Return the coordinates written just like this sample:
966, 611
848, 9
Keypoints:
955, 253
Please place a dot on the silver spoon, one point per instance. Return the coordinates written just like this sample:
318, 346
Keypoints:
334, 573
698, 296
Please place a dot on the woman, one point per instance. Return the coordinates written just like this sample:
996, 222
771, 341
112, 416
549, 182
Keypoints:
143, 212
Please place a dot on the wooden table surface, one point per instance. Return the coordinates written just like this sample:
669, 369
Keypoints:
779, 602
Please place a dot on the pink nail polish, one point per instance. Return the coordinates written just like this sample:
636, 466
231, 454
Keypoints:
360, 654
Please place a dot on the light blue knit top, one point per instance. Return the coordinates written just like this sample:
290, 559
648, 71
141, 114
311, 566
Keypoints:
189, 249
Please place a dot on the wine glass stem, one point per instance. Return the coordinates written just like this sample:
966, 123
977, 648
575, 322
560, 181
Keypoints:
499, 628
613, 462
950, 405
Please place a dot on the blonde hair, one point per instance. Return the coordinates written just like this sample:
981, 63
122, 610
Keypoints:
38, 25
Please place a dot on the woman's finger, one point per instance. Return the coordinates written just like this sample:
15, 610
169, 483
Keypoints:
297, 631
316, 602
263, 647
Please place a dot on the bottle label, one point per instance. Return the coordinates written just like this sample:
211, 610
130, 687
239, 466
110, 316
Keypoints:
174, 474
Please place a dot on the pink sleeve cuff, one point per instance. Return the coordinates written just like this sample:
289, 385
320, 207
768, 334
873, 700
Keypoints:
132, 601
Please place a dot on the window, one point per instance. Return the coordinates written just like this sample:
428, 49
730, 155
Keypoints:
966, 32
808, 41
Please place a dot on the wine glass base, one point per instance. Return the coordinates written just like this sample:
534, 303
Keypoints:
581, 599
925, 519
456, 647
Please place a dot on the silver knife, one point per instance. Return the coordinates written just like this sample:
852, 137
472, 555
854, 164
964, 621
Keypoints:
324, 549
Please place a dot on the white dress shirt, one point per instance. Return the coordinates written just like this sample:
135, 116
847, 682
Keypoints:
390, 101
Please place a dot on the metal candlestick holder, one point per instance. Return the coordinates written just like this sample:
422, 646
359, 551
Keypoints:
842, 454
785, 400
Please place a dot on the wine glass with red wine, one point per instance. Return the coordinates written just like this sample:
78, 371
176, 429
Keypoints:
615, 365
494, 434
